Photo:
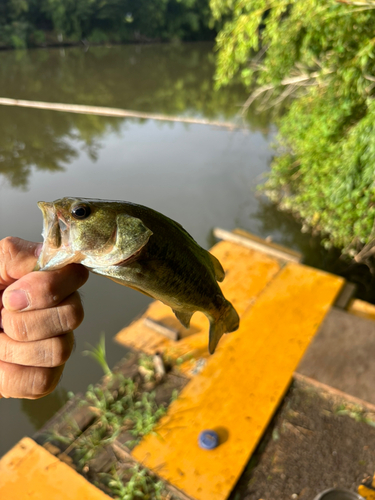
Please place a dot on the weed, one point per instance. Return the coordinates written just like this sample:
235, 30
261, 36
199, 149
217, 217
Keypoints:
98, 353
140, 485
355, 412
119, 406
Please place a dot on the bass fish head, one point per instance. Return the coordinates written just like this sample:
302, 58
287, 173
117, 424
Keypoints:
95, 233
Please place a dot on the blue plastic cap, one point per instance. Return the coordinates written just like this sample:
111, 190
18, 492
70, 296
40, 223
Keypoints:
208, 440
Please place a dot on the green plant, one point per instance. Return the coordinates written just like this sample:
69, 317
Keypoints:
140, 485
98, 353
144, 415
315, 59
118, 405
355, 412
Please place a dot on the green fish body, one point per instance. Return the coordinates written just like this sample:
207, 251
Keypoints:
140, 248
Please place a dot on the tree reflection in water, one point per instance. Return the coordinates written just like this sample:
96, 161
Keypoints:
169, 79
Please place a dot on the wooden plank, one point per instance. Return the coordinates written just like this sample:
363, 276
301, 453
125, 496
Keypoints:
247, 273
361, 308
30, 471
346, 295
366, 492
249, 241
241, 386
269, 243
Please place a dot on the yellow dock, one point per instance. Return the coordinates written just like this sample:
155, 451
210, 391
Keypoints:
281, 304
28, 471
241, 386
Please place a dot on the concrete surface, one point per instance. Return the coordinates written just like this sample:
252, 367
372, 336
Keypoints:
342, 355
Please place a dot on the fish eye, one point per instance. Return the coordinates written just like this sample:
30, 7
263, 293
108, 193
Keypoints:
81, 212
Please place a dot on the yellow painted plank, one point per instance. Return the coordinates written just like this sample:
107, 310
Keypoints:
241, 386
269, 243
247, 273
361, 308
29, 471
367, 493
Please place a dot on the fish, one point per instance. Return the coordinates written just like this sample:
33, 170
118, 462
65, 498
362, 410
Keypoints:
140, 248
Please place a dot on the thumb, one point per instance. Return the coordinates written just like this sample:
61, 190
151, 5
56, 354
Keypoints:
17, 258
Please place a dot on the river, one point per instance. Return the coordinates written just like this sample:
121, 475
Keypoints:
201, 176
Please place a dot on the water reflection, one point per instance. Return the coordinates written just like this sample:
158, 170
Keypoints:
41, 410
50, 142
285, 229
169, 79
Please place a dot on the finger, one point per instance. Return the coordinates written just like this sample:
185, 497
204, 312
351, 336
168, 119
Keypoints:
17, 258
45, 353
43, 289
45, 323
27, 382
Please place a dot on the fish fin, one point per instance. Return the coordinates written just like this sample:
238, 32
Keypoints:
228, 322
218, 268
183, 317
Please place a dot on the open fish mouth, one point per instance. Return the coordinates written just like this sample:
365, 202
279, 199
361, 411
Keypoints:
53, 228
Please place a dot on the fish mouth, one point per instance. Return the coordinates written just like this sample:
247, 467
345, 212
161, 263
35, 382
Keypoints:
51, 230
51, 234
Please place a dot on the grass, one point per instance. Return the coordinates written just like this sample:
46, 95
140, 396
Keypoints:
140, 485
355, 412
120, 407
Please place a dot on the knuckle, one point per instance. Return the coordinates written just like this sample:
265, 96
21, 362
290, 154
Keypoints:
9, 249
10, 246
43, 382
15, 326
62, 347
77, 311
69, 315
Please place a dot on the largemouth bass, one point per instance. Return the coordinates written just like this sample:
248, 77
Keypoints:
140, 248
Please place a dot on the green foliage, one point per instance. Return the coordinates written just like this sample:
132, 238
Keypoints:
33, 22
119, 406
140, 485
98, 353
316, 58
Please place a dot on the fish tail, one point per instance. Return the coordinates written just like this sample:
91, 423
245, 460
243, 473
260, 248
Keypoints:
227, 322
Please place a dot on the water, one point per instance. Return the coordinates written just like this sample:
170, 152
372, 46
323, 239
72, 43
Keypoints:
201, 176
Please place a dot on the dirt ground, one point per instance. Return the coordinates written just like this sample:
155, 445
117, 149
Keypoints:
314, 442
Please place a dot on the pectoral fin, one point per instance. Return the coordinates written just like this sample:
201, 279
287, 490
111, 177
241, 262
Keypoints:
218, 268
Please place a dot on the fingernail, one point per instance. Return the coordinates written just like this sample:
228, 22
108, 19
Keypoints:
16, 300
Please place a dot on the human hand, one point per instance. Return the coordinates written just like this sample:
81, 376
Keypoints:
36, 327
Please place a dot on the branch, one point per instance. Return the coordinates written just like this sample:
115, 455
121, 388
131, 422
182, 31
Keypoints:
365, 3
294, 82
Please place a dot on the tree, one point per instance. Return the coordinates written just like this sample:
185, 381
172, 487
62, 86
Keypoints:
41, 22
317, 59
